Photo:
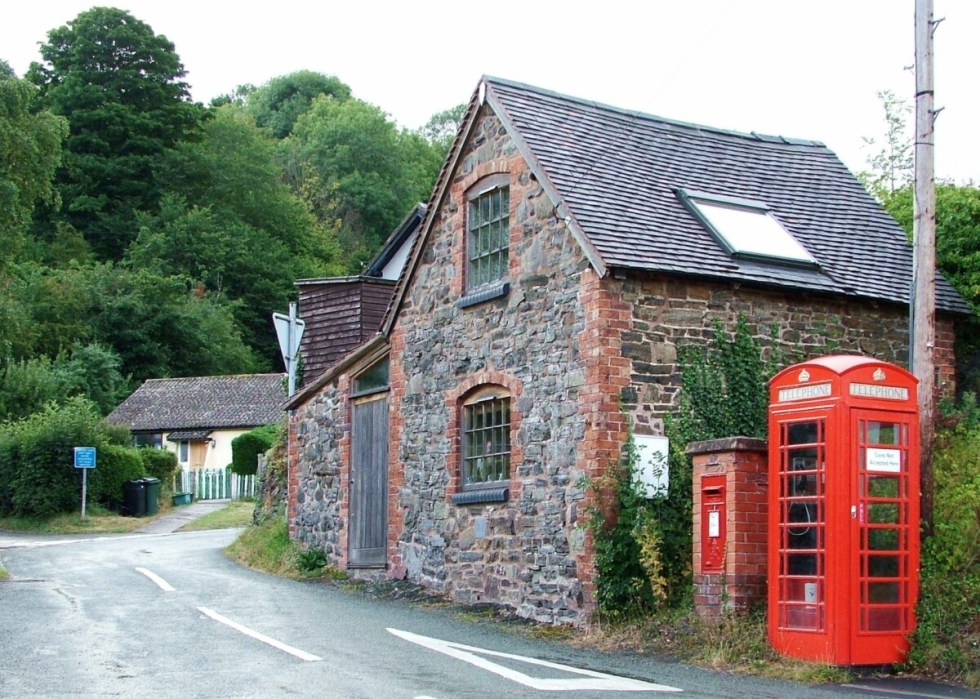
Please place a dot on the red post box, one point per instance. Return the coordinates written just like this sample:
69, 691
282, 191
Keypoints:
843, 511
713, 523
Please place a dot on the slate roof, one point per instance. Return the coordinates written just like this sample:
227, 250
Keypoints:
615, 175
203, 403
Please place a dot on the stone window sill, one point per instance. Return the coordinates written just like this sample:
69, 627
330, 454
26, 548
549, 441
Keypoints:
478, 297
475, 497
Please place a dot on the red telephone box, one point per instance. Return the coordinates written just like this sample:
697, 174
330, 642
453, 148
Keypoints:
843, 511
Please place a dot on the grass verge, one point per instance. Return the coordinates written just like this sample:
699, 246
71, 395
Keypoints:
267, 547
237, 513
97, 520
3, 574
737, 643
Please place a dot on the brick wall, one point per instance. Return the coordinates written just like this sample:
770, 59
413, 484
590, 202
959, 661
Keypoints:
738, 465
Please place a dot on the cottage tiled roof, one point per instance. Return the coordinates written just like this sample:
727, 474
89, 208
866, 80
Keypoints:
202, 403
615, 175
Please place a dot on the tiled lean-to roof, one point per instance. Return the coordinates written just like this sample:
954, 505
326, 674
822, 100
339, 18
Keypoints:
203, 402
616, 174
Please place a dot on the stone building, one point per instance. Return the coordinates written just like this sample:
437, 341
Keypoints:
569, 250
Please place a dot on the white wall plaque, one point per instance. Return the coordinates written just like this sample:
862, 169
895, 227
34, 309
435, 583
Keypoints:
652, 472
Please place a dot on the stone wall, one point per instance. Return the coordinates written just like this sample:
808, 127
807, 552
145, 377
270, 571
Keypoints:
670, 313
525, 552
319, 438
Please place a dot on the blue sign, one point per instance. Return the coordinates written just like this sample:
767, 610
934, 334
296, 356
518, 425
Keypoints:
84, 457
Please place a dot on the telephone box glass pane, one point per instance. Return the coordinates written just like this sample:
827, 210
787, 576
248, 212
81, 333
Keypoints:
883, 540
884, 510
882, 487
801, 529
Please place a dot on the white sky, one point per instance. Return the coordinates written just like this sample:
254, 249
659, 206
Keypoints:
801, 68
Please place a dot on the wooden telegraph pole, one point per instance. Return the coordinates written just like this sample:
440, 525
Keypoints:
924, 234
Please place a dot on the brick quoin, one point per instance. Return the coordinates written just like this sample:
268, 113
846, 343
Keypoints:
396, 468
607, 373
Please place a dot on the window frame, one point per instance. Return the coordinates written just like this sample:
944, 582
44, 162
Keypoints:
359, 382
487, 240
483, 398
788, 250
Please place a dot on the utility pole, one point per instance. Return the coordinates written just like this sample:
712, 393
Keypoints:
924, 235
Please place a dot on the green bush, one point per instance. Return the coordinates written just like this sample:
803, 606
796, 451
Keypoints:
37, 473
246, 448
114, 466
947, 640
159, 463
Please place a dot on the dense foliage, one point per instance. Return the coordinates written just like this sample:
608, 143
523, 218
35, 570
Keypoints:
159, 463
958, 257
246, 448
148, 236
120, 86
37, 473
947, 640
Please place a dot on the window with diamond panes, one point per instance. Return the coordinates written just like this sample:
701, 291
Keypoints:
489, 237
486, 441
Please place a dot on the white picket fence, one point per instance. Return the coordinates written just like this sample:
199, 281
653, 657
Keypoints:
217, 484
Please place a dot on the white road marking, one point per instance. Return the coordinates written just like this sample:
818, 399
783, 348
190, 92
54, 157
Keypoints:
302, 655
591, 680
897, 692
161, 583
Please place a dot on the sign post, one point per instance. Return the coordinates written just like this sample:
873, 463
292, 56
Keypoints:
289, 330
84, 459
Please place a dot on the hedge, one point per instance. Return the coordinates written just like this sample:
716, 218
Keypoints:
37, 473
246, 448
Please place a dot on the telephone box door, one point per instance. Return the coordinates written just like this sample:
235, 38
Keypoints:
884, 516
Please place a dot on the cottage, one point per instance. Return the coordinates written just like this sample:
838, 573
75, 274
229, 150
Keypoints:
198, 417
569, 249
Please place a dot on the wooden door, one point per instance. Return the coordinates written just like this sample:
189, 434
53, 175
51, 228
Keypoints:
368, 537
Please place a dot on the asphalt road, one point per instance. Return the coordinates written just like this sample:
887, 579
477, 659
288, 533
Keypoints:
154, 615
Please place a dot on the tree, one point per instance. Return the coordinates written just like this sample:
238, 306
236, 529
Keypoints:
120, 85
89, 371
281, 101
958, 257
30, 150
230, 224
892, 164
441, 127
157, 325
352, 164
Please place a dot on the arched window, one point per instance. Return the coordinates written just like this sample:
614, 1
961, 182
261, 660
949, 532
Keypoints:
485, 442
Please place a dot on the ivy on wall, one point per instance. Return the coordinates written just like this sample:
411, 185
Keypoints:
643, 546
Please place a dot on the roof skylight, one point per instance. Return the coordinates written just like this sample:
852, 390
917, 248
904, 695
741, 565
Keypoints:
746, 228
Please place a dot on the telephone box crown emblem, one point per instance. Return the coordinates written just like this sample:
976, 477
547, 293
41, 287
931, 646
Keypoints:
804, 376
879, 375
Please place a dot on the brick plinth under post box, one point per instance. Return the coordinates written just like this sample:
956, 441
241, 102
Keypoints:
730, 524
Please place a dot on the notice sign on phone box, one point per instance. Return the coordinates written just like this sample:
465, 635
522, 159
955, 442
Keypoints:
886, 460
